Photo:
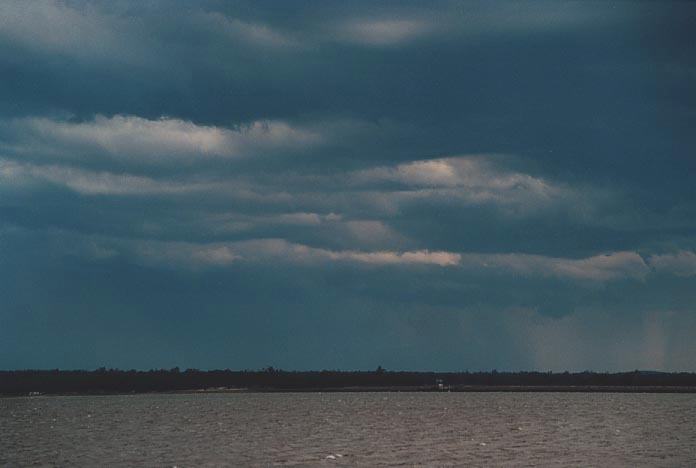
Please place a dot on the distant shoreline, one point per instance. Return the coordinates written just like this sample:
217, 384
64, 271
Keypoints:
193, 381
394, 389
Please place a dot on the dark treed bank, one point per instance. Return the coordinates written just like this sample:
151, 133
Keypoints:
105, 381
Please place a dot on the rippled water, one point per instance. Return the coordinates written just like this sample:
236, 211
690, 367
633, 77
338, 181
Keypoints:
370, 429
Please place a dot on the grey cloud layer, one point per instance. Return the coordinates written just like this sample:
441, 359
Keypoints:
382, 192
452, 185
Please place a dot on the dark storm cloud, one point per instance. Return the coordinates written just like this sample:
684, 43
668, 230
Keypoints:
456, 185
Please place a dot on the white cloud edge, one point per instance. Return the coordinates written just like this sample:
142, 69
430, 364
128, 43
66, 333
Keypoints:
137, 139
594, 269
88, 182
383, 32
464, 179
610, 266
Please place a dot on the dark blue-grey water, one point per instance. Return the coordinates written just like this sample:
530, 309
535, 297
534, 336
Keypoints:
325, 429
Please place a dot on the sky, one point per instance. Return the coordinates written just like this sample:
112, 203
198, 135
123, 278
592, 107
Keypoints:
346, 185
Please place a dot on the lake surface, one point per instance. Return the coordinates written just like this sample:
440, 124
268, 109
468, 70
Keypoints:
432, 429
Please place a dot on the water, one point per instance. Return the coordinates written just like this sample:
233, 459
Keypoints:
440, 429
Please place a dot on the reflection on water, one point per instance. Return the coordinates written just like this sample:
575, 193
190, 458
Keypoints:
328, 429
